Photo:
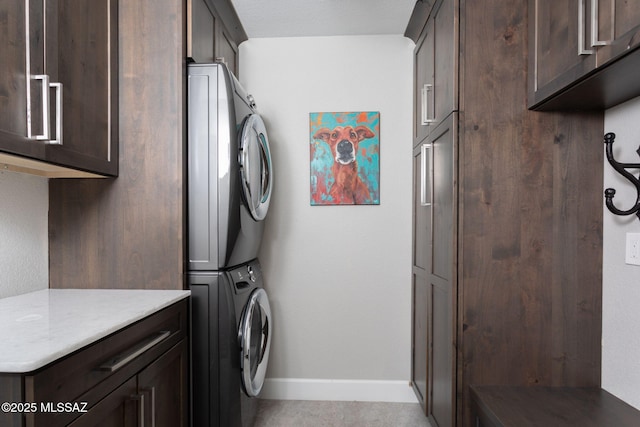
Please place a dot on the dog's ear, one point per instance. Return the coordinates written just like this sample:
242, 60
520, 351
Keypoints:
322, 134
364, 132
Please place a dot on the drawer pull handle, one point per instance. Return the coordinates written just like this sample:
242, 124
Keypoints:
122, 359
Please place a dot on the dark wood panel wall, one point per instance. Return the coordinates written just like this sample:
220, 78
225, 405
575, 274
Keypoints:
530, 236
129, 232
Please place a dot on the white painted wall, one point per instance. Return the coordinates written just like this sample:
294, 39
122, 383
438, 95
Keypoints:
338, 277
621, 282
24, 256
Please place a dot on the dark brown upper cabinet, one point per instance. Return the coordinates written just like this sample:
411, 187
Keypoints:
434, 92
584, 54
213, 33
59, 87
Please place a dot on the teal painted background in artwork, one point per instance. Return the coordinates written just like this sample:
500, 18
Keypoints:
322, 159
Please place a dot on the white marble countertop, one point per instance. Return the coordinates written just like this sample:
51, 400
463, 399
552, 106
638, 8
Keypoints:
40, 327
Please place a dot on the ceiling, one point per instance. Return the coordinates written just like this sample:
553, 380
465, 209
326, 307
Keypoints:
306, 18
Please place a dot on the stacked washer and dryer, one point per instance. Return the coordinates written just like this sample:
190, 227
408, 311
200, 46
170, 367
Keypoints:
229, 188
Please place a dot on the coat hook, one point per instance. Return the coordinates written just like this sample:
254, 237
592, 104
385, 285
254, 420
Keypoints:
621, 168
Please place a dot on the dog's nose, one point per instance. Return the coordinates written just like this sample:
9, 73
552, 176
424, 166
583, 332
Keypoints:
345, 147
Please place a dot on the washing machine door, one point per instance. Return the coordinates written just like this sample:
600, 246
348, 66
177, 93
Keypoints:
255, 166
255, 341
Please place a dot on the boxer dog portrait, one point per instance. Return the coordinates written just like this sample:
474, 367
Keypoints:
345, 184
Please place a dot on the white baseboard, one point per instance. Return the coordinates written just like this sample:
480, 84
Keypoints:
349, 390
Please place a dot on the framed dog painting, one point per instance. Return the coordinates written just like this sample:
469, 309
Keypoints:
345, 158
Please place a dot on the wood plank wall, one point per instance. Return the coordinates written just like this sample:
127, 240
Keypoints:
530, 245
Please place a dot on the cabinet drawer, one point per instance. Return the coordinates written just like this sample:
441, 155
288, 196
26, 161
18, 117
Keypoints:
91, 373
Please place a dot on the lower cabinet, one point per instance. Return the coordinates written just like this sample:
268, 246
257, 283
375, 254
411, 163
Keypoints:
154, 397
138, 376
117, 409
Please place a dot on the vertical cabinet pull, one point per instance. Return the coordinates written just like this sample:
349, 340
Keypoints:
46, 130
46, 112
595, 9
152, 399
582, 50
189, 28
139, 400
58, 138
426, 89
426, 172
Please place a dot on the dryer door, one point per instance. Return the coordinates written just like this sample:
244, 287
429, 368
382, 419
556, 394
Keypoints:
255, 166
255, 341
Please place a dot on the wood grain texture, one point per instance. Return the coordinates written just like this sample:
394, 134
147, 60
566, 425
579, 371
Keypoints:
530, 237
551, 406
82, 54
13, 83
129, 232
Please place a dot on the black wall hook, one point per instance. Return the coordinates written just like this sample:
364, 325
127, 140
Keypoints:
621, 168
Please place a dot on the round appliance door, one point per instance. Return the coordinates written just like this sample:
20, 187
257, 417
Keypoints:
255, 166
255, 341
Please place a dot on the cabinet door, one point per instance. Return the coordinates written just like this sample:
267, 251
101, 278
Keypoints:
121, 408
442, 281
618, 29
163, 386
627, 17
82, 55
21, 94
559, 45
423, 83
420, 337
58, 83
445, 58
226, 50
422, 195
442, 143
201, 24
435, 70
420, 346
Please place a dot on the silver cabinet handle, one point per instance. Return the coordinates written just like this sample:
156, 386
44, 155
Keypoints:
139, 399
122, 359
58, 139
189, 28
425, 174
426, 121
595, 9
152, 410
582, 50
46, 130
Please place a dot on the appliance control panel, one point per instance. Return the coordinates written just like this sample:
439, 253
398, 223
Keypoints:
245, 275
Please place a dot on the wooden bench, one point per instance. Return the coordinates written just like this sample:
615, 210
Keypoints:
504, 406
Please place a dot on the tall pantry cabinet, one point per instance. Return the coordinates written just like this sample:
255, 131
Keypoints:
435, 129
507, 216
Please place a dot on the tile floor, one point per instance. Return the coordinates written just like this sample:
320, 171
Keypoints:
305, 413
